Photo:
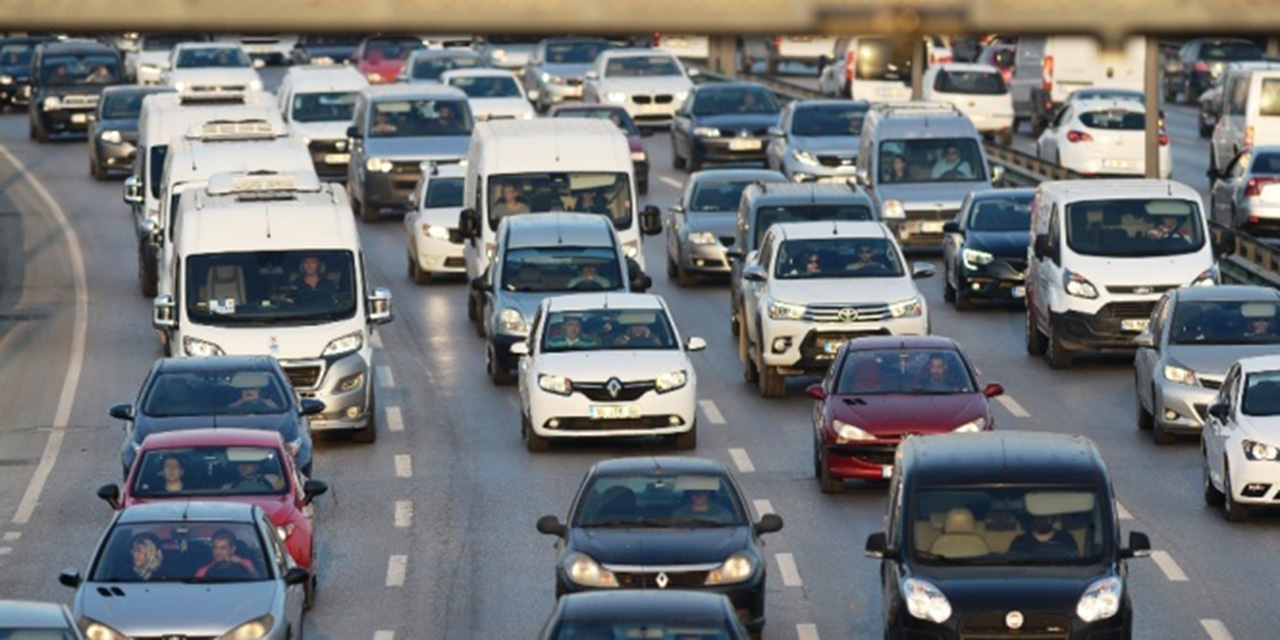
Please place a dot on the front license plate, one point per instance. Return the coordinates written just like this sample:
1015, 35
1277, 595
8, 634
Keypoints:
337, 158
79, 118
614, 411
1134, 325
886, 471
744, 144
931, 227
1019, 292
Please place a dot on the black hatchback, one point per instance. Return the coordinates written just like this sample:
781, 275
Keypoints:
1004, 534
663, 523
984, 251
687, 615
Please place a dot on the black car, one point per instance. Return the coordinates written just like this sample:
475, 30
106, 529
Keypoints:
1199, 62
245, 392
659, 523
15, 68
644, 614
113, 135
1003, 534
984, 252
325, 48
67, 80
723, 122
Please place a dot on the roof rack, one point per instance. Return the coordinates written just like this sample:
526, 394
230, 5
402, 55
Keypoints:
263, 185
224, 130
204, 97
914, 107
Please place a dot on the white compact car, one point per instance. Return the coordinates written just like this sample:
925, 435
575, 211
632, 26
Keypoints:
606, 365
650, 84
1101, 137
978, 91
431, 227
493, 94
212, 69
1241, 440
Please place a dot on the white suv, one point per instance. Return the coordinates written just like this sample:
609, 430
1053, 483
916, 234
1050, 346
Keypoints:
606, 365
817, 285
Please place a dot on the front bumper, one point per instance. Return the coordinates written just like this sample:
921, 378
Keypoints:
114, 156
1102, 330
388, 190
65, 121
14, 93
441, 256
704, 259
747, 597
330, 158
650, 113
1037, 625
828, 169
1181, 408
344, 385
725, 149
1002, 279
551, 93
860, 461
1254, 482
661, 414
500, 344
798, 347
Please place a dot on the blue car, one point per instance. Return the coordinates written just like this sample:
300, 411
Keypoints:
15, 69
724, 122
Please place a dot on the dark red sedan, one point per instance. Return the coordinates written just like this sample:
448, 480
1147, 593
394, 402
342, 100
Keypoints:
881, 390
381, 58
233, 465
639, 157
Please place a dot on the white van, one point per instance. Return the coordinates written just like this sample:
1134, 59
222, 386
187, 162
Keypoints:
1250, 116
547, 165
1047, 69
978, 91
867, 68
163, 117
318, 102
1102, 254
271, 264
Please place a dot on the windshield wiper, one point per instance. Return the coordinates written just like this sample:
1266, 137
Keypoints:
697, 522
623, 524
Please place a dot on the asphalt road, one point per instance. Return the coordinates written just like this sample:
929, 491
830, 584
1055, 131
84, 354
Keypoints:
457, 515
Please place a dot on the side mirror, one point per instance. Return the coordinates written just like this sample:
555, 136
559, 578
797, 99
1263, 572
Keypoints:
297, 576
695, 344
380, 311
650, 221
69, 578
353, 132
164, 315
1040, 247
641, 283
150, 230
769, 523
520, 348
110, 494
259, 63
921, 270
592, 75
1219, 410
992, 390
1212, 175
860, 177
815, 391
132, 190
754, 273
312, 489
122, 412
480, 283
311, 407
676, 208
997, 174
1145, 340
877, 546
551, 525
733, 254
469, 224
776, 132
1139, 546
951, 227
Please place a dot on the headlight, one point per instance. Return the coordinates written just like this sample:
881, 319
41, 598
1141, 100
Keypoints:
909, 308
671, 381
1101, 600
785, 311
702, 237
322, 60
378, 165
706, 132
6, 79
681, 95
893, 210
251, 630
639, 156
1175, 373
112, 136
197, 348
350, 382
974, 258
283, 532
739, 567
616, 97
436, 231
499, 54
343, 345
255, 85
147, 66
972, 426
52, 103
180, 86
1077, 285
804, 156
512, 321
94, 630
846, 432
583, 570
1259, 451
559, 385
925, 601
631, 248
1209, 278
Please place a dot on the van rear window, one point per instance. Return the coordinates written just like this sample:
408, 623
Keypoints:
1269, 101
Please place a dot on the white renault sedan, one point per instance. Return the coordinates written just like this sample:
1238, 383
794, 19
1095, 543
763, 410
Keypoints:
1241, 438
606, 365
431, 235
1101, 137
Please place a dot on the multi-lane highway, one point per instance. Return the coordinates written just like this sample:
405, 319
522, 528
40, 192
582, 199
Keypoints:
429, 533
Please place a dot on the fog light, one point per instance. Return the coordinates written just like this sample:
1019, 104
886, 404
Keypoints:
353, 412
975, 286
699, 262
553, 424
780, 345
1170, 414
675, 421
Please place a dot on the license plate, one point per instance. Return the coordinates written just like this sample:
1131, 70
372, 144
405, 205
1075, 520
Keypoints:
744, 144
1138, 325
886, 471
1019, 292
931, 227
614, 411
1112, 163
337, 158
79, 118
833, 346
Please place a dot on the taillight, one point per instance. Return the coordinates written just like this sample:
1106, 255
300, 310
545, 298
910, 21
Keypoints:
1248, 137
777, 41
1200, 66
1164, 140
657, 38
850, 60
1078, 136
1046, 73
1254, 188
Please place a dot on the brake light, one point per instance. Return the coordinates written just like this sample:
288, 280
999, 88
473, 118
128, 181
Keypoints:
1164, 140
1254, 188
777, 41
1078, 136
1200, 66
1046, 73
1248, 137
657, 38
850, 68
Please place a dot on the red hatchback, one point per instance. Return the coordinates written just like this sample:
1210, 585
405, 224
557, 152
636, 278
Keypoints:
235, 465
380, 58
881, 390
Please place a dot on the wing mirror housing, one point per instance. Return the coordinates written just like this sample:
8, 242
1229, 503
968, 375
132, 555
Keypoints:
69, 578
776, 132
469, 224
1145, 340
695, 344
110, 494
1219, 410
997, 174
551, 525
520, 349
951, 227
122, 412
815, 391
164, 313
480, 283
380, 310
878, 547
259, 63
754, 273
921, 270
651, 221
311, 407
312, 489
769, 523
296, 576
132, 190
1139, 546
353, 132
993, 390
1040, 247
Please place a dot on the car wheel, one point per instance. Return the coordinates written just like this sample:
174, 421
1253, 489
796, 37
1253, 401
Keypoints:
1212, 496
749, 371
499, 374
688, 441
415, 271
97, 171
479, 321
694, 163
532, 441
961, 295
1232, 510
368, 213
1146, 421
948, 291
309, 593
672, 268
684, 278
826, 482
735, 323
473, 314
677, 161
771, 383
369, 433
1059, 354
42, 134
1036, 343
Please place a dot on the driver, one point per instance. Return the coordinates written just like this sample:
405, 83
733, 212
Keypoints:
224, 545
1044, 538
638, 335
938, 376
591, 202
510, 203
382, 124
251, 399
1259, 327
866, 259
99, 75
310, 286
589, 278
571, 335
1167, 228
701, 506
951, 165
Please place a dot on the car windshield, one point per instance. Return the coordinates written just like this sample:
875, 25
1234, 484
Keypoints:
717, 195
582, 52
330, 40
1114, 119
208, 393
188, 551
1262, 394
1232, 322
205, 57
197, 472
837, 258
984, 83
443, 192
606, 194
42, 633
122, 106
1220, 51
271, 287
13, 54
717, 101
904, 371
1134, 228
926, 160
73, 69
1008, 526
1267, 163
829, 120
607, 329
381, 50
167, 41
770, 215
431, 67
420, 118
1001, 213
642, 66
667, 500
618, 116
487, 86
547, 269
335, 106
658, 629
874, 59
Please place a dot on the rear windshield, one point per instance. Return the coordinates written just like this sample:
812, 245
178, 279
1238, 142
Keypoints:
717, 195
983, 83
618, 116
1114, 119
16, 53
829, 120
1226, 322
212, 57
487, 86
432, 67
1269, 101
86, 68
1266, 163
874, 60
769, 216
444, 192
1230, 51
167, 41
388, 49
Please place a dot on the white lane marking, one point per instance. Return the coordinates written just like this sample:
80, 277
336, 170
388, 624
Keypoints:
790, 572
1012, 406
376, 340
743, 460
1123, 512
385, 377
404, 465
4, 551
384, 635
404, 514
72, 380
763, 507
670, 182
712, 412
397, 567
1216, 629
12, 535
807, 632
395, 419
1169, 566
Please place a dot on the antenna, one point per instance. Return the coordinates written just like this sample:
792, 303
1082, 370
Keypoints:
268, 219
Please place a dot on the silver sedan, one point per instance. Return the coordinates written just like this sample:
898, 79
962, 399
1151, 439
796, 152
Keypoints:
1246, 195
701, 225
817, 140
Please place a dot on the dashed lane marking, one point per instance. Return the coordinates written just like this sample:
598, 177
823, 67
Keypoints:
4, 551
1123, 512
395, 419
404, 465
1216, 629
743, 460
807, 631
712, 412
385, 377
670, 182
384, 635
790, 572
397, 567
404, 514
1169, 566
763, 507
12, 535
1012, 406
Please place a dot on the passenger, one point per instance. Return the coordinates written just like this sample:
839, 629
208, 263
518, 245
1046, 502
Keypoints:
1259, 327
99, 75
309, 287
1044, 539
447, 120
571, 336
748, 103
382, 125
591, 202
510, 203
938, 376
251, 478
59, 75
172, 472
224, 546
1168, 228
951, 166
616, 119
147, 558
224, 59
702, 507
896, 171
638, 335
589, 279
812, 264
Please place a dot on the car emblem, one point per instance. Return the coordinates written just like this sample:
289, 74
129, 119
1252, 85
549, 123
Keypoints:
848, 314
1142, 291
613, 387
1014, 620
662, 580
745, 133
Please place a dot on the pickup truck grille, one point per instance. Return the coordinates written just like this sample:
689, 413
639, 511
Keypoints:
846, 312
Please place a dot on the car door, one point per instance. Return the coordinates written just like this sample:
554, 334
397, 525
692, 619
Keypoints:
676, 218
1046, 266
1047, 144
1227, 189
1215, 431
1229, 132
754, 292
778, 145
281, 562
681, 125
1147, 359
525, 364
953, 243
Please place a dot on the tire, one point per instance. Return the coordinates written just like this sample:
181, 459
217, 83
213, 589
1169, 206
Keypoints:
97, 171
827, 483
42, 134
369, 433
643, 187
148, 278
369, 214
771, 383
948, 291
1212, 496
532, 441
416, 273
1059, 355
473, 314
500, 376
677, 161
687, 441
962, 299
694, 163
1159, 434
1145, 420
1036, 343
749, 371
309, 593
1233, 511
684, 278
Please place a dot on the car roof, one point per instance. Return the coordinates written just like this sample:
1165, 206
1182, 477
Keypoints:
310, 220
551, 229
1094, 190
1002, 457
219, 437
636, 53
725, 175
919, 120
412, 91
135, 90
762, 194
75, 46
575, 39
825, 229
18, 614
216, 363
593, 301
878, 343
1228, 293
191, 510
1260, 363
478, 72
718, 86
801, 104
209, 44
658, 465
631, 606
326, 76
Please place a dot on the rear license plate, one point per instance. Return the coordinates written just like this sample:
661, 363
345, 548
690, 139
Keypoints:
337, 158
1112, 163
744, 144
614, 411
1019, 292
79, 118
886, 471
1137, 325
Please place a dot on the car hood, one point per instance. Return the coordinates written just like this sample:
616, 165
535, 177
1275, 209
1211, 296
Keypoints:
946, 196
842, 290
64, 90
844, 145
1215, 359
567, 70
1001, 244
446, 216
164, 609
1178, 270
731, 122
526, 302
418, 148
336, 130
599, 366
483, 108
659, 547
717, 222
653, 84
1260, 428
278, 508
973, 589
282, 422
896, 415
214, 76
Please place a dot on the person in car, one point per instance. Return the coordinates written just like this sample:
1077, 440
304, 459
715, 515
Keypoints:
938, 376
896, 169
571, 336
867, 260
147, 559
1044, 539
510, 203
225, 562
446, 120
589, 279
699, 505
1167, 228
252, 399
1259, 327
382, 124
951, 166
638, 335
172, 472
309, 286
99, 75
591, 202
251, 478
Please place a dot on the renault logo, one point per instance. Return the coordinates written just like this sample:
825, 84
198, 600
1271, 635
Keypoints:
662, 580
614, 387
848, 314
1014, 620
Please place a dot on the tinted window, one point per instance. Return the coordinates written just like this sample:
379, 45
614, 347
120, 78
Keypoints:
618, 116
904, 371
419, 118
574, 52
1262, 394
1108, 94
204, 57
122, 106
874, 59
618, 329
1114, 119
156, 163
207, 393
642, 66
88, 68
210, 471
1266, 163
444, 192
838, 258
270, 287
323, 107
16, 53
722, 101
829, 120
330, 40
487, 86
1269, 100
931, 160
432, 67
717, 195
1001, 214
709, 628
182, 552
1134, 228
1224, 323
668, 500
606, 194
768, 216
561, 269
970, 82
382, 49
1230, 51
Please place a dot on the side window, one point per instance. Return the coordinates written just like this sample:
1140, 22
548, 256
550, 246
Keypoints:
966, 209
1228, 392
1054, 253
1160, 317
1063, 116
766, 252
1239, 95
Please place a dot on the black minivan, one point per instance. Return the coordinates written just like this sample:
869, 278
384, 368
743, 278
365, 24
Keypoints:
1003, 534
67, 80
